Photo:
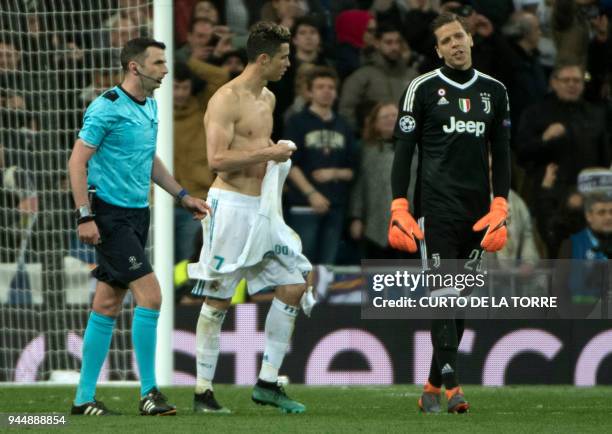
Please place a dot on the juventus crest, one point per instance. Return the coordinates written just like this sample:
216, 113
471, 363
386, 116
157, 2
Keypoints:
486, 102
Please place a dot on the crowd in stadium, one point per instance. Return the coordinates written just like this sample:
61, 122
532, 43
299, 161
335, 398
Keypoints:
350, 62
554, 57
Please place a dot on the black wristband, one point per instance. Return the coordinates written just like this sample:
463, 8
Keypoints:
86, 219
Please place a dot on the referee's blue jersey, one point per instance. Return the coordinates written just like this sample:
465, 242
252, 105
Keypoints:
124, 132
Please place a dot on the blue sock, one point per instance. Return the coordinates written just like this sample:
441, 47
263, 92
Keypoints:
96, 343
144, 339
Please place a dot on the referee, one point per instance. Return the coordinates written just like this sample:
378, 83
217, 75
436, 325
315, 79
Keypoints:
115, 154
458, 117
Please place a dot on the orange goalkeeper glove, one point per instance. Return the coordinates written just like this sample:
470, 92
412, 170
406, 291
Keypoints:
403, 229
495, 223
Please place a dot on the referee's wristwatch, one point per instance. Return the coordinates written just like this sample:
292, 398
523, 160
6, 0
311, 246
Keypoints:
84, 214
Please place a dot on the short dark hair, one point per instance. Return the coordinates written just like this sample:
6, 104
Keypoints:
266, 38
383, 28
239, 53
566, 63
321, 72
305, 20
446, 18
136, 49
182, 72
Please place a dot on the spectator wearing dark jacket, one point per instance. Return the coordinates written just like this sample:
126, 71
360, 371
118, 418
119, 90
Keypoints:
528, 84
383, 78
581, 35
556, 217
564, 130
322, 169
306, 48
414, 21
355, 31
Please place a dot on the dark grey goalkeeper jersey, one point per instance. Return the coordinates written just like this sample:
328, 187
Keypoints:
456, 125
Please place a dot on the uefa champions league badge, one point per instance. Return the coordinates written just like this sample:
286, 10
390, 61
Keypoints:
407, 124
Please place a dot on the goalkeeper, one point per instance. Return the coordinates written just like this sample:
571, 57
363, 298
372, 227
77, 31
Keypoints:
457, 116
115, 153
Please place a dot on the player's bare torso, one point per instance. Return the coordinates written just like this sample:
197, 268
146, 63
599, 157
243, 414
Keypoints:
252, 130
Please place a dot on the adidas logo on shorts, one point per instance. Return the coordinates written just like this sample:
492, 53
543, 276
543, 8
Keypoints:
447, 369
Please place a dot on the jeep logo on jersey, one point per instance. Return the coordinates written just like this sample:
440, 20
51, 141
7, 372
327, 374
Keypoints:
407, 124
470, 127
464, 104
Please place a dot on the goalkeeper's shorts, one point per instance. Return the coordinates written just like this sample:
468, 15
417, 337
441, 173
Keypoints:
121, 252
450, 247
451, 239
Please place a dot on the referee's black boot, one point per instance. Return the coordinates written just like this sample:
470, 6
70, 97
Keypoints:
155, 403
93, 408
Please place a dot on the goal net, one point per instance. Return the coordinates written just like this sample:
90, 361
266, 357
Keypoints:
55, 58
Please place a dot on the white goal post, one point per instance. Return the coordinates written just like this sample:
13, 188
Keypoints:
55, 58
164, 215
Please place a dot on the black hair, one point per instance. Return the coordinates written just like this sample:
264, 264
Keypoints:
182, 72
383, 28
240, 53
266, 38
305, 20
136, 48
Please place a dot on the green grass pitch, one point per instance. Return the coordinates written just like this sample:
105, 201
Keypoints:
510, 409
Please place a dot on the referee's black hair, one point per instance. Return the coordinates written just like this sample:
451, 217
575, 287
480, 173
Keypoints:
135, 49
266, 38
